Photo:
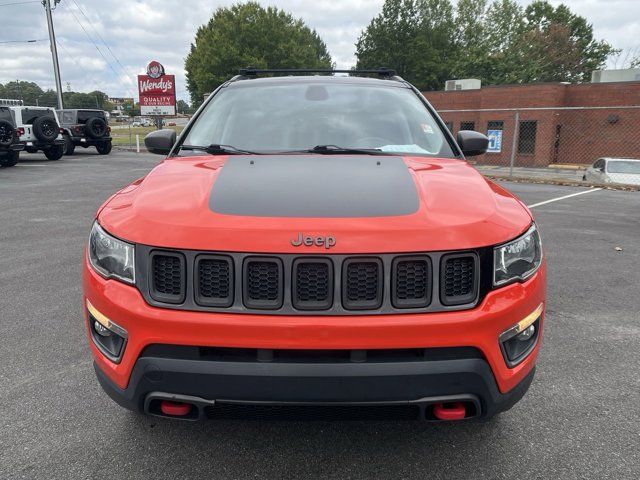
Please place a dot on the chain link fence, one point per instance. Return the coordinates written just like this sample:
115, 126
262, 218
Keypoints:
596, 144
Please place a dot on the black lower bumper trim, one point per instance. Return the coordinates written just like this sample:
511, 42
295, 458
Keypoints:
389, 383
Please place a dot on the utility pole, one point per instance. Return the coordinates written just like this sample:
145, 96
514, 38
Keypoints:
54, 49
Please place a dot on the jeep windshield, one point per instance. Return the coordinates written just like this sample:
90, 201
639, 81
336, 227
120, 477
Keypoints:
318, 116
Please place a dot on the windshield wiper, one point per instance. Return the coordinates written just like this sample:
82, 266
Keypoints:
335, 149
218, 149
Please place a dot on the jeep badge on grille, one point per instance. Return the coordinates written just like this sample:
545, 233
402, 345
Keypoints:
319, 241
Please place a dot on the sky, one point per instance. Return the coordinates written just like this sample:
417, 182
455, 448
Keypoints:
104, 44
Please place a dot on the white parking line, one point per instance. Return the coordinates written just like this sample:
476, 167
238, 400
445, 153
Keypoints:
563, 197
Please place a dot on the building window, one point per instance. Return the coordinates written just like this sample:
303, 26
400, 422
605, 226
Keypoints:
495, 125
449, 126
527, 137
467, 126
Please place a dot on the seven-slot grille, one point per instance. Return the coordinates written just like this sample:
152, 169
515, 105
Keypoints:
330, 285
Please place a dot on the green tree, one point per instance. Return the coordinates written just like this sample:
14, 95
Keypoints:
471, 39
492, 56
28, 92
183, 107
247, 34
436, 42
414, 37
428, 42
48, 99
390, 40
552, 28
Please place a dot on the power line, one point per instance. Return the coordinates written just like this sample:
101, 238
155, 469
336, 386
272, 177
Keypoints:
94, 44
18, 3
101, 38
71, 57
26, 41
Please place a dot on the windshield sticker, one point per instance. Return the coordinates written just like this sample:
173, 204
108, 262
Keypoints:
426, 128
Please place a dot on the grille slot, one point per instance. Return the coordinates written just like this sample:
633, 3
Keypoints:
312, 284
168, 277
459, 275
411, 282
362, 283
214, 280
263, 283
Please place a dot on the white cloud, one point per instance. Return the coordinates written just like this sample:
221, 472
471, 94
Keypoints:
138, 31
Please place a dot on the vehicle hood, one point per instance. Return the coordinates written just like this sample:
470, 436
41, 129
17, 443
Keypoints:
369, 204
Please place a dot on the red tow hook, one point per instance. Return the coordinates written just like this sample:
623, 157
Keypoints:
176, 409
449, 411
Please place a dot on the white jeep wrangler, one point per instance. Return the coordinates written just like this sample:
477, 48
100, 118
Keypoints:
40, 130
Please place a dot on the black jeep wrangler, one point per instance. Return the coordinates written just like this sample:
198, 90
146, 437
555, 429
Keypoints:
85, 128
10, 144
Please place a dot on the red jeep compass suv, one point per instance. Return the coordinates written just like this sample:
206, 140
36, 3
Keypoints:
315, 241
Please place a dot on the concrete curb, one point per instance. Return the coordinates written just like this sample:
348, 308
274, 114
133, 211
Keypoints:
565, 182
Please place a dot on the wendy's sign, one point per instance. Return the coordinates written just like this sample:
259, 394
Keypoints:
157, 91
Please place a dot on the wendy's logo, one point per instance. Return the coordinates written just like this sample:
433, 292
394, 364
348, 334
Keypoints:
155, 69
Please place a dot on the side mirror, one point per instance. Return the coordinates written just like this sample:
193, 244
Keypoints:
472, 143
160, 142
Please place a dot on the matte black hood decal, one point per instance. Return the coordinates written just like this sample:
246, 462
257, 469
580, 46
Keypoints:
314, 186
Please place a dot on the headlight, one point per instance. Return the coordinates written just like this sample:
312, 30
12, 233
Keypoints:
517, 259
111, 258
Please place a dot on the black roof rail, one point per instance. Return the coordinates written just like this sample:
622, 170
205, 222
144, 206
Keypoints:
254, 72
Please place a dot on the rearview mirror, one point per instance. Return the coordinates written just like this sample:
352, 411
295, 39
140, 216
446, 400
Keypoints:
472, 143
160, 142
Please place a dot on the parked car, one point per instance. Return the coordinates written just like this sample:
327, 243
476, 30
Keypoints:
142, 122
85, 128
614, 170
39, 129
10, 144
326, 245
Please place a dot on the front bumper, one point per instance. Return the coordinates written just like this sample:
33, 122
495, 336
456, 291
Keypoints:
487, 378
417, 384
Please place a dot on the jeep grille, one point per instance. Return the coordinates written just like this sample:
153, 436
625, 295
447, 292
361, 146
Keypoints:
320, 285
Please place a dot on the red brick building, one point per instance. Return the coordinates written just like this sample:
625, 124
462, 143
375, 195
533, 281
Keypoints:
554, 122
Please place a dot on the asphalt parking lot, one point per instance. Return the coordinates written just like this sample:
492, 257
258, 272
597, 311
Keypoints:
581, 418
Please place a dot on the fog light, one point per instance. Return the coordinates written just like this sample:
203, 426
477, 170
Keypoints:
100, 329
527, 334
519, 341
108, 336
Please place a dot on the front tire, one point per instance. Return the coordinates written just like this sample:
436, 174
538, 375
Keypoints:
10, 159
104, 148
55, 152
69, 146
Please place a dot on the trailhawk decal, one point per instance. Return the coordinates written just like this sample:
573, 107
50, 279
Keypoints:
314, 186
